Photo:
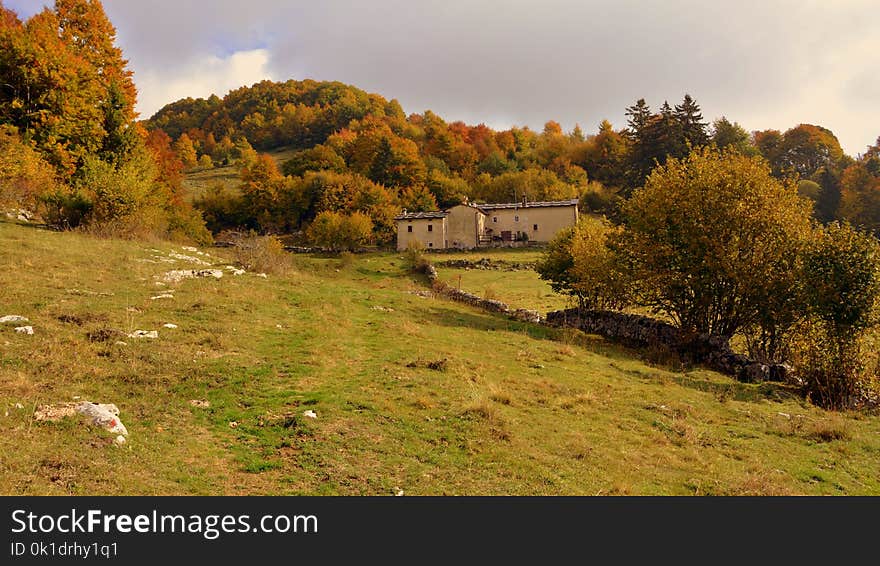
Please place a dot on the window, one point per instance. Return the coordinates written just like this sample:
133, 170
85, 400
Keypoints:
409, 229
430, 227
495, 219
516, 218
536, 227
430, 244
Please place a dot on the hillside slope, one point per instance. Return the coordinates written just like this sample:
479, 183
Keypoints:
515, 408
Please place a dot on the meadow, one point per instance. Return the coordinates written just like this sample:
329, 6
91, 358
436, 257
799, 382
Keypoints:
413, 394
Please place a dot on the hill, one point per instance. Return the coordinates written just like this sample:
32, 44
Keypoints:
510, 408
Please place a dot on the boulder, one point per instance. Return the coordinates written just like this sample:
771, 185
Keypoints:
29, 330
13, 319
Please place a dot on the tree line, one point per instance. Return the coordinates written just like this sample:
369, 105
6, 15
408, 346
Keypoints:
421, 162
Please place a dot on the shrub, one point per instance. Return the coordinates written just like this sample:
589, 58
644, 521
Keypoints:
263, 254
25, 177
834, 358
339, 232
578, 262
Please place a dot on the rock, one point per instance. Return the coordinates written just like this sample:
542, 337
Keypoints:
19, 406
105, 416
151, 334
13, 319
398, 492
310, 414
200, 404
526, 315
179, 275
189, 258
263, 275
121, 343
170, 326
29, 330
190, 249
55, 413
120, 440
383, 309
233, 424
162, 296
235, 271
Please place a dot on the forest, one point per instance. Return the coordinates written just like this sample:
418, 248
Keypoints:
383, 160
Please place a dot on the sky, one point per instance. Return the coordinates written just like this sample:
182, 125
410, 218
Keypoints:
765, 63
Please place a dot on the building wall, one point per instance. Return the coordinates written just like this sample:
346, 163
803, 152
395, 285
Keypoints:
550, 221
464, 225
435, 240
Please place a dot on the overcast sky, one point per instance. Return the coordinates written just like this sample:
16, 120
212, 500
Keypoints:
764, 63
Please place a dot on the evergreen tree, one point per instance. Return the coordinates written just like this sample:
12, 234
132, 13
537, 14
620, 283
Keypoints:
639, 114
690, 120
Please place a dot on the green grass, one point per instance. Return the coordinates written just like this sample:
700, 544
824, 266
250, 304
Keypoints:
517, 409
520, 289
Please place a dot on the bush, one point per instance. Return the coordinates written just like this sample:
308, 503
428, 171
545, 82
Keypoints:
25, 177
339, 232
835, 359
262, 254
579, 262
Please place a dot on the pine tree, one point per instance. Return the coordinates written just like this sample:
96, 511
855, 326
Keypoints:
639, 114
690, 120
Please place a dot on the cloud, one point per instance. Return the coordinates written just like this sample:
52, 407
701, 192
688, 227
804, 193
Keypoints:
764, 64
200, 79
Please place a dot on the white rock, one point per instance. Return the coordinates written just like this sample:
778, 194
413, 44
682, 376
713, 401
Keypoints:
29, 330
121, 343
310, 414
189, 258
120, 440
170, 326
152, 334
105, 416
235, 271
180, 275
190, 249
19, 406
162, 296
13, 319
398, 492
263, 275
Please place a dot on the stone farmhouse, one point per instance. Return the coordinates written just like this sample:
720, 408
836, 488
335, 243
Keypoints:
468, 226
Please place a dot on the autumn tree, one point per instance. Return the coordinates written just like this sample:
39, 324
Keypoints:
340, 232
186, 151
580, 263
727, 134
707, 234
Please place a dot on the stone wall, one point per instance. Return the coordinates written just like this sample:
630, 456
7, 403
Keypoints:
636, 330
490, 305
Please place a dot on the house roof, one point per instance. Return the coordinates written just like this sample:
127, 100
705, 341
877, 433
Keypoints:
486, 208
511, 205
422, 216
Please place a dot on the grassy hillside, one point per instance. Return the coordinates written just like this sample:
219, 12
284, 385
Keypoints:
515, 408
198, 181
